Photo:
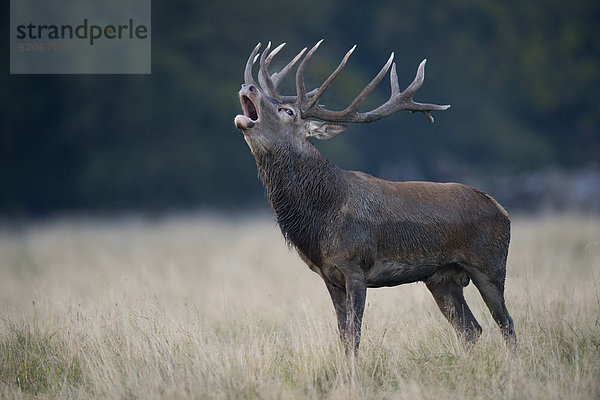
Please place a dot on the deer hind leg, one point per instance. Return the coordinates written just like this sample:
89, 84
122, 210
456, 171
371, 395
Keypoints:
491, 287
446, 286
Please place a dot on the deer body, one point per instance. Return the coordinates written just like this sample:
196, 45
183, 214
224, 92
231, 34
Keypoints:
357, 231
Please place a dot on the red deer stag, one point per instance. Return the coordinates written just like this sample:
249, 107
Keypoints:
357, 231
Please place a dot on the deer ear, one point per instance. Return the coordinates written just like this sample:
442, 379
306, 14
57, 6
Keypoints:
324, 130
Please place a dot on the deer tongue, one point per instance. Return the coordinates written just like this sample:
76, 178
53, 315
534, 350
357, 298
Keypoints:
242, 122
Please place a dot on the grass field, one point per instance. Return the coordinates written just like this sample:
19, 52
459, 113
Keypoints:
206, 307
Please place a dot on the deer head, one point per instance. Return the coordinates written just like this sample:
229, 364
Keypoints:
270, 118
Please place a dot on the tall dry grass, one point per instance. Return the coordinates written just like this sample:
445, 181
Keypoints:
207, 307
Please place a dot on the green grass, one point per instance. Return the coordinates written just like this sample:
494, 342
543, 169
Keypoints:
37, 361
202, 307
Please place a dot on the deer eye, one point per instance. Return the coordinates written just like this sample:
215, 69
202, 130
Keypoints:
287, 111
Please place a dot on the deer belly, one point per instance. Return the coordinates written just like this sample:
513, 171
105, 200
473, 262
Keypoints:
393, 273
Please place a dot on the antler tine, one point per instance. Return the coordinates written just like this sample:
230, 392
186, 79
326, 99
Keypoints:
263, 75
417, 82
327, 82
300, 87
369, 88
274, 53
248, 78
394, 81
277, 77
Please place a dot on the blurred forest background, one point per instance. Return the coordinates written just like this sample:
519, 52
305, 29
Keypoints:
523, 79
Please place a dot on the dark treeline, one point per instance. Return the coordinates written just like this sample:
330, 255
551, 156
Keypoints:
522, 79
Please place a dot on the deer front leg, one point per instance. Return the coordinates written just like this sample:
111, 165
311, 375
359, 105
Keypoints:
338, 297
356, 293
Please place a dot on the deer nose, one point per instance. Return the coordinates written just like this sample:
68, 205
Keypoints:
247, 89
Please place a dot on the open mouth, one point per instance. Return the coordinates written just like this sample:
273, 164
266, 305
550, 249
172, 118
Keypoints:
249, 108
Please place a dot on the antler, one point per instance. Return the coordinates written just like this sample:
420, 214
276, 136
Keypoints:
268, 82
307, 102
398, 100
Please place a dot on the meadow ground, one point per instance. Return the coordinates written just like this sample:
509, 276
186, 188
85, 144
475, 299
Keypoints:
205, 307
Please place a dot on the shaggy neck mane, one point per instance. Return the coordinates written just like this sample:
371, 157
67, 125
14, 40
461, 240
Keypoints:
304, 189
